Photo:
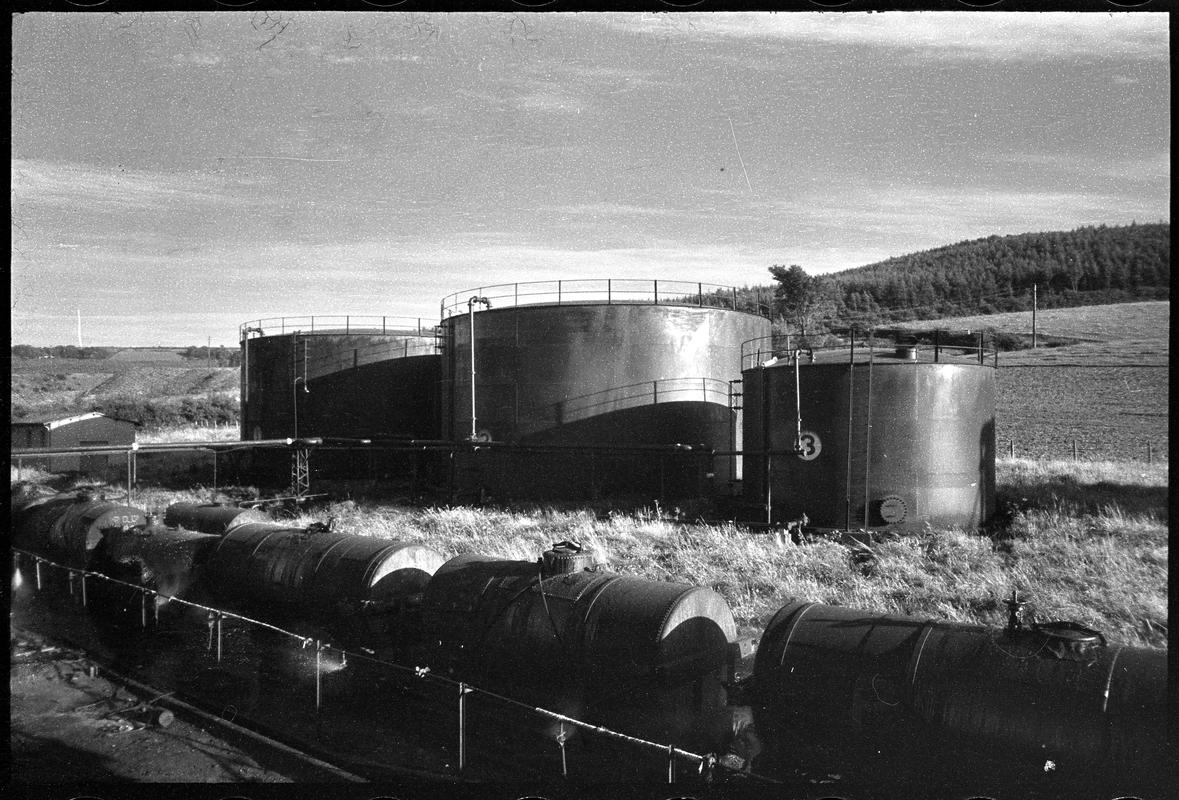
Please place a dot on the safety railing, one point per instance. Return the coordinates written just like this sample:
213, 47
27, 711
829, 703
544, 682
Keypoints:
760, 351
325, 325
330, 658
613, 291
644, 393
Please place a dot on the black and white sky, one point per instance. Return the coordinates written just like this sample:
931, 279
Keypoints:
176, 174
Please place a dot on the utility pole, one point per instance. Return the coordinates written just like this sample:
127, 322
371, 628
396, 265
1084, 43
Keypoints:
79, 327
209, 352
1034, 303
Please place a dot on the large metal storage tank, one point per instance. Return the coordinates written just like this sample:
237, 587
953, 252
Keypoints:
353, 377
894, 439
596, 363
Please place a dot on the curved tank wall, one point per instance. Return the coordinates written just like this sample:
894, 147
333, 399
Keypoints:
889, 441
344, 381
597, 373
840, 688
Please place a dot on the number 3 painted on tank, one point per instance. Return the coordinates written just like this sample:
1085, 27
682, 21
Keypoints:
809, 446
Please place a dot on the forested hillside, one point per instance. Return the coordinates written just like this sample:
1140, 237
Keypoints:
1087, 266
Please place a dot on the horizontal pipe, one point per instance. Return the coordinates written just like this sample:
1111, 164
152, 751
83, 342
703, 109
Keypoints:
221, 444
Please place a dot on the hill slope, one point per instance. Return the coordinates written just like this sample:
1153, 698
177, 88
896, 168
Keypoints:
1070, 268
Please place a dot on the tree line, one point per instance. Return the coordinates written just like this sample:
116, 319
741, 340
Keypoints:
1086, 266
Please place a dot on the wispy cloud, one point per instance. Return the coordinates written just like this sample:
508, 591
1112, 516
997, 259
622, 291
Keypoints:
987, 36
90, 188
1148, 169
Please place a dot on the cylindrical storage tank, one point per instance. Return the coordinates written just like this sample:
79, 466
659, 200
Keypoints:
350, 377
640, 656
67, 528
599, 363
268, 563
838, 686
210, 517
889, 441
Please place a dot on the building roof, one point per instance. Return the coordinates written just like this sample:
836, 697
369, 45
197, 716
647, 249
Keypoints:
52, 423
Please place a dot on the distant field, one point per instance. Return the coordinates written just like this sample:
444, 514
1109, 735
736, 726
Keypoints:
1118, 322
1112, 412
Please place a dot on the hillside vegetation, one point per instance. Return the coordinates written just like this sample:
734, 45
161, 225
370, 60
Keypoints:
1086, 266
150, 393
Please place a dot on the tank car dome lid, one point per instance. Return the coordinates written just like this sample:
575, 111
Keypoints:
608, 291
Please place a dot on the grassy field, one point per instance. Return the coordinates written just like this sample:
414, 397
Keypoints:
1117, 322
1083, 542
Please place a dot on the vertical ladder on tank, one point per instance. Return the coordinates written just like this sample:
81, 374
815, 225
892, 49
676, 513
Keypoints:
736, 405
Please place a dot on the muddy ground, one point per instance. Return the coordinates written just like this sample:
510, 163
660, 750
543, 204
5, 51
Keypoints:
71, 724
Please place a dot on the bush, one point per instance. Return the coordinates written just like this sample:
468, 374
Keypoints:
217, 409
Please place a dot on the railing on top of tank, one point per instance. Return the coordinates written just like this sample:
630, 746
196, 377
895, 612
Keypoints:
942, 347
617, 398
611, 291
280, 326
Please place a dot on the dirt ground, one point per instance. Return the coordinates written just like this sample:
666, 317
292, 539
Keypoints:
70, 724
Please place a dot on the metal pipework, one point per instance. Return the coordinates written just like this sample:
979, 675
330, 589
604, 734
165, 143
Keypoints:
475, 300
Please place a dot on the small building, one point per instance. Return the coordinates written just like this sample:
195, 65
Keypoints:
84, 430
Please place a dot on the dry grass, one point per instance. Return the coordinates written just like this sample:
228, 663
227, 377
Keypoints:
1085, 542
211, 433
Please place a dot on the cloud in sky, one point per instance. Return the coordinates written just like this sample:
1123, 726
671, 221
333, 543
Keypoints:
371, 164
953, 35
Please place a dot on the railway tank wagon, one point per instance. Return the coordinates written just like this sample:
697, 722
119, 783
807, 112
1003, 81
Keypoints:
641, 656
350, 377
595, 364
1051, 708
892, 439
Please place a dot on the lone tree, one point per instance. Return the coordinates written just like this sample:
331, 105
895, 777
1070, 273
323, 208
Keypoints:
801, 299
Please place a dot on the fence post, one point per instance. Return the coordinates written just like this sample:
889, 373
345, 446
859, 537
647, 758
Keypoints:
1011, 448
1149, 454
20, 468
218, 625
1074, 449
37, 572
462, 726
700, 294
83, 590
143, 608
671, 763
318, 680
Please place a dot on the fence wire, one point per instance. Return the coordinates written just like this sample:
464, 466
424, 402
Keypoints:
707, 764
